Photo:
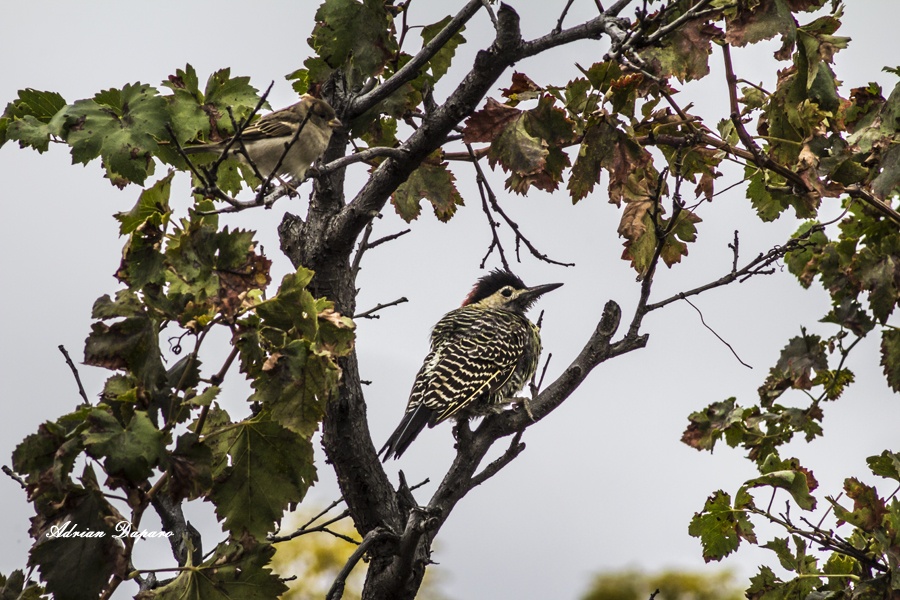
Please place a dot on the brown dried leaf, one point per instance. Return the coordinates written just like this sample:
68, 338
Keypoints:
489, 122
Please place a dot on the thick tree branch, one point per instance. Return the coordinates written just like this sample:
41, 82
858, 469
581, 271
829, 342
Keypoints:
337, 588
410, 70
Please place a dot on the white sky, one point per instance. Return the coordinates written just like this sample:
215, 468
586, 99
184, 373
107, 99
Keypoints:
604, 482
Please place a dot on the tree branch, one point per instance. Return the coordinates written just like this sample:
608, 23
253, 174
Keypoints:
69, 362
410, 70
370, 314
337, 588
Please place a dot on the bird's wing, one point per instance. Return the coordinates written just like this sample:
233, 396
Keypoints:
477, 356
270, 126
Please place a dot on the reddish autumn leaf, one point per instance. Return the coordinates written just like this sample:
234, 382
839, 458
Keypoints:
522, 88
751, 22
489, 122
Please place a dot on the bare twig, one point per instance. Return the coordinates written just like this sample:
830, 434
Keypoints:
361, 156
695, 12
495, 206
540, 382
360, 250
481, 180
515, 448
236, 139
388, 238
365, 245
370, 314
219, 377
826, 539
702, 320
75, 373
758, 266
490, 12
337, 588
562, 16
12, 475
321, 528
735, 249
237, 206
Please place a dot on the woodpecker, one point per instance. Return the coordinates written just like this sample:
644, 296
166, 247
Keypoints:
481, 355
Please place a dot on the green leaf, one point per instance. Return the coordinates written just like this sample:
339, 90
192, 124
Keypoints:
869, 508
794, 481
720, 528
890, 357
797, 562
14, 588
79, 567
206, 397
293, 308
126, 304
765, 585
271, 468
190, 468
681, 232
770, 196
27, 119
877, 274
801, 262
48, 456
886, 464
848, 313
188, 119
231, 573
131, 452
802, 355
708, 426
353, 35
749, 23
121, 127
432, 181
440, 62
517, 150
684, 52
834, 382
595, 152
130, 344
184, 374
223, 92
296, 386
152, 206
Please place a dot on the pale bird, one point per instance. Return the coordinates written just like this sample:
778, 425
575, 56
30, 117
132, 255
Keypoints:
266, 139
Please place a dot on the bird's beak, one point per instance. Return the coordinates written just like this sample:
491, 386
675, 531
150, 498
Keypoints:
535, 292
335, 123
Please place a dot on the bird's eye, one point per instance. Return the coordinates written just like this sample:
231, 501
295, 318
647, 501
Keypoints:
506, 292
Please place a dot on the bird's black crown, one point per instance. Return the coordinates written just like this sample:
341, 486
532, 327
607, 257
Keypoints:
491, 283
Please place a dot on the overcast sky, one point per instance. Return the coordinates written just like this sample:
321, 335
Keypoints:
604, 482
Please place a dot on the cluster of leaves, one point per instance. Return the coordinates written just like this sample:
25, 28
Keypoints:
815, 144
359, 41
158, 432
127, 128
862, 564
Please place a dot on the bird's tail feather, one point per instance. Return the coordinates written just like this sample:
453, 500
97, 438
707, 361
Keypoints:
412, 424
